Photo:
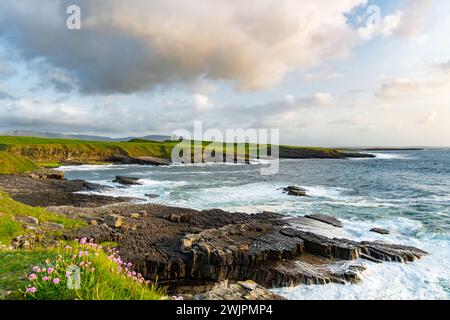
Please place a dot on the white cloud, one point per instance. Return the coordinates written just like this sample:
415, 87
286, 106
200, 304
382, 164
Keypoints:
251, 43
434, 86
323, 99
202, 103
429, 118
388, 25
407, 22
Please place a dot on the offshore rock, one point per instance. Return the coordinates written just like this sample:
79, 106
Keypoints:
127, 180
295, 191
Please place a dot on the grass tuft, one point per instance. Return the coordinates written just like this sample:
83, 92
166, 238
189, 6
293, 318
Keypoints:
10, 228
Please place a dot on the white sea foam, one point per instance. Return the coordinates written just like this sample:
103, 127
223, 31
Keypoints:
426, 278
389, 156
324, 192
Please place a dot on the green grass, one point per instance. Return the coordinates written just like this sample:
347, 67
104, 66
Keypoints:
9, 228
49, 165
56, 151
101, 278
60, 150
13, 163
15, 264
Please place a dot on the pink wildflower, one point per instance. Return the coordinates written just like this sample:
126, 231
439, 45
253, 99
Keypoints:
31, 290
32, 276
68, 274
46, 278
50, 270
83, 240
56, 280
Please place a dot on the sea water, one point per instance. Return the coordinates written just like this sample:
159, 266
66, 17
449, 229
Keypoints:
407, 192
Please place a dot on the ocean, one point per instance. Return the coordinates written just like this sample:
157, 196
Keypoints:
407, 192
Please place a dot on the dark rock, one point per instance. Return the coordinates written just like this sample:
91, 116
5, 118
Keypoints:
143, 213
186, 248
52, 226
114, 220
295, 191
24, 241
47, 174
325, 219
380, 231
140, 160
52, 192
127, 180
311, 153
242, 290
27, 220
151, 195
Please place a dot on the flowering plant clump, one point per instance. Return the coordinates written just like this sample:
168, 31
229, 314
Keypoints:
85, 270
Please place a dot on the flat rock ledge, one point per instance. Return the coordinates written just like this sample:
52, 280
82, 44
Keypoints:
325, 219
186, 249
242, 290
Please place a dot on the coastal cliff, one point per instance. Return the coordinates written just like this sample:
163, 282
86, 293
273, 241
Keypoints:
42, 150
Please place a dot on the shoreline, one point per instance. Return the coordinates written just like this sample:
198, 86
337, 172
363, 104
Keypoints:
190, 251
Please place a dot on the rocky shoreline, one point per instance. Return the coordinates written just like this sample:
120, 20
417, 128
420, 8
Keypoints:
189, 251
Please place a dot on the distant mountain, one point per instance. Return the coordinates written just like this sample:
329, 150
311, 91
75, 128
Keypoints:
150, 137
52, 135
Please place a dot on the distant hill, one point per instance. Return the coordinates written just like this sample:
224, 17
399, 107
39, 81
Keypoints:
52, 135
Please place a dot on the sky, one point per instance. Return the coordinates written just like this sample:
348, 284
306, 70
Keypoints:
325, 73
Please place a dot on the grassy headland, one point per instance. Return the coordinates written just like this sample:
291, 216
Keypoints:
42, 150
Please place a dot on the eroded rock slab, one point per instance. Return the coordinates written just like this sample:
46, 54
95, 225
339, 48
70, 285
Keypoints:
325, 219
242, 290
186, 248
380, 231
45, 191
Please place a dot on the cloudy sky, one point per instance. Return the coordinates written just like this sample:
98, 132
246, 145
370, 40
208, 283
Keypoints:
324, 72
